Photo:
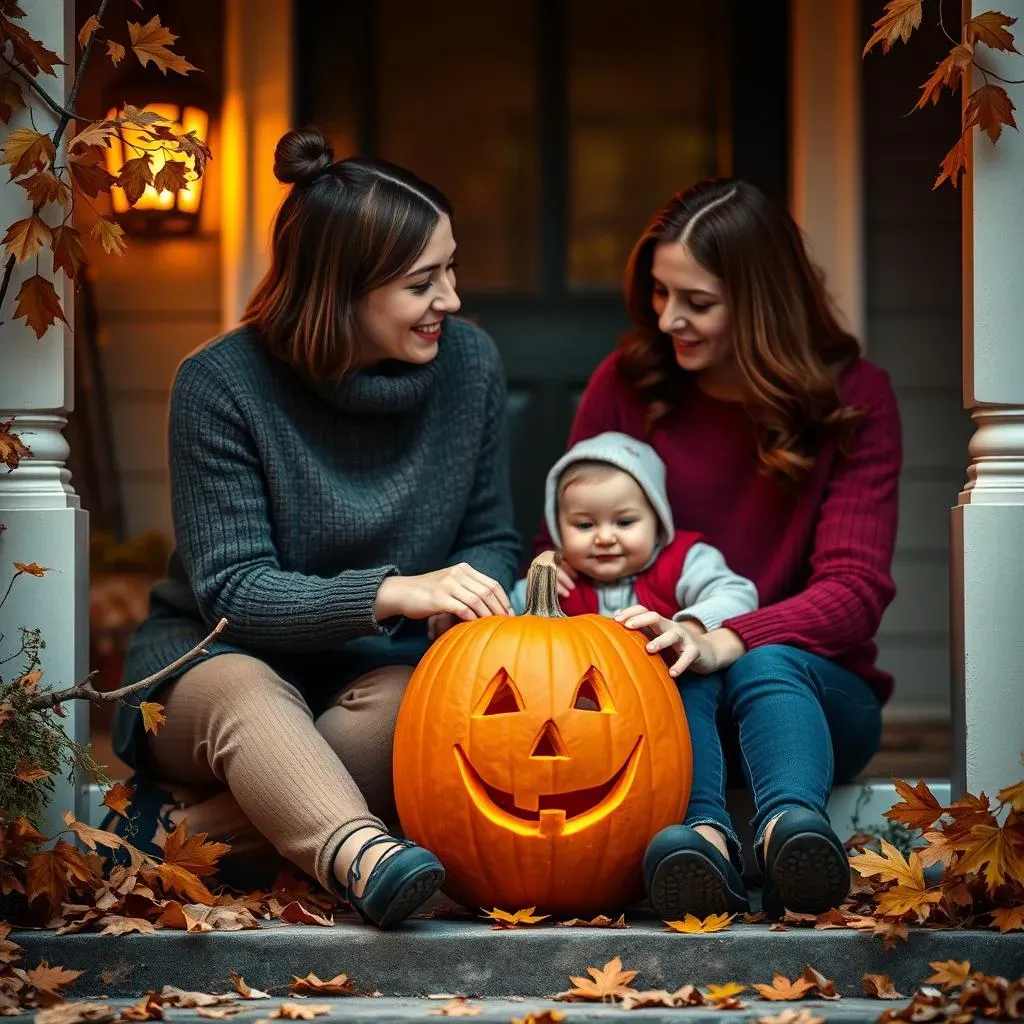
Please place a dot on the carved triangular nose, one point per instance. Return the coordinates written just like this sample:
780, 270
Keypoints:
549, 743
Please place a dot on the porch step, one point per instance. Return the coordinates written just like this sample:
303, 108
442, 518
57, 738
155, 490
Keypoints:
470, 958
502, 1011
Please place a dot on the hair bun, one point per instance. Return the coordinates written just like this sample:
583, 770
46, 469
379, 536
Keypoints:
301, 155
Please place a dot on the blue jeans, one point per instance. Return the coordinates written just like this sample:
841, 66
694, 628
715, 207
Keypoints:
803, 724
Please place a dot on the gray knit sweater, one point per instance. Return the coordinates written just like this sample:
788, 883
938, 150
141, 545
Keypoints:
292, 501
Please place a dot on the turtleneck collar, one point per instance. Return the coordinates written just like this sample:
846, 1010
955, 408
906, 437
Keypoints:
387, 387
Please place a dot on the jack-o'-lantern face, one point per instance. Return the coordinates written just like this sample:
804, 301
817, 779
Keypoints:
537, 756
555, 753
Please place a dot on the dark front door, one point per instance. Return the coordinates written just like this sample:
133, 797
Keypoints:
556, 128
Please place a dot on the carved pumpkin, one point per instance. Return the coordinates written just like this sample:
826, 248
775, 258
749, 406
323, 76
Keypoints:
537, 755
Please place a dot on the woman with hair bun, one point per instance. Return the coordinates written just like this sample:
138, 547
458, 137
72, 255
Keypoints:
782, 447
339, 483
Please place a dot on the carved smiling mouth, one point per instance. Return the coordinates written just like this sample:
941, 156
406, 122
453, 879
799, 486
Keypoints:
555, 813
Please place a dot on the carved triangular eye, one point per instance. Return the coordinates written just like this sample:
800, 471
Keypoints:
592, 693
501, 696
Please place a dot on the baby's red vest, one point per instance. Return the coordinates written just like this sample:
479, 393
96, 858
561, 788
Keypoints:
655, 588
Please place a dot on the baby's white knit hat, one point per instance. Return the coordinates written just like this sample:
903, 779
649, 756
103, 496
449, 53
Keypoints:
638, 459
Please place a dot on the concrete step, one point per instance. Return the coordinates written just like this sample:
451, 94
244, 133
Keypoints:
470, 958
355, 1010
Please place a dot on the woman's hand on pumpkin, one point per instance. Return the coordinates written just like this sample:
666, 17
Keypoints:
458, 590
693, 651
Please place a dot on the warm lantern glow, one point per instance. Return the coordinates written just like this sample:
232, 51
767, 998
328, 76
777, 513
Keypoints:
181, 120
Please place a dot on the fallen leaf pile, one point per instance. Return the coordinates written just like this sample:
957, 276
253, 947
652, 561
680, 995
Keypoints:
964, 996
73, 888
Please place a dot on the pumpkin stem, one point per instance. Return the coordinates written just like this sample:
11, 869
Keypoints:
542, 586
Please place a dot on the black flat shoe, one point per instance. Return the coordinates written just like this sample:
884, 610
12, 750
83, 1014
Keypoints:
685, 874
806, 869
399, 883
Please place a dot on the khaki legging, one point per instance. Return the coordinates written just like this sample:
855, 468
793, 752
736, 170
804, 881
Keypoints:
294, 785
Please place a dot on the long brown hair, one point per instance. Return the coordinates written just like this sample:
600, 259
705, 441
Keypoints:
788, 343
344, 229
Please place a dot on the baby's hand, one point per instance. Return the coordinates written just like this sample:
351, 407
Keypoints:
692, 651
441, 623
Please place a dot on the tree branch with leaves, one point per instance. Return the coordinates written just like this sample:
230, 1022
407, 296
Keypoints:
55, 189
989, 107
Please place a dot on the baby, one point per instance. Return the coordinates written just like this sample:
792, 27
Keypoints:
607, 511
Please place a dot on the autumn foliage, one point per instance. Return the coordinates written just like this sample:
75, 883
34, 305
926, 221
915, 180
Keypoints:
989, 106
59, 179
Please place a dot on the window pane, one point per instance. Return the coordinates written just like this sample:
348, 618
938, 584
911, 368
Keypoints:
457, 105
648, 114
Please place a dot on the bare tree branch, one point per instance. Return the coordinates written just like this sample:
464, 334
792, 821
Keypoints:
86, 691
40, 91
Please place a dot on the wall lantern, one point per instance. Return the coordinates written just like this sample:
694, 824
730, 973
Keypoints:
163, 213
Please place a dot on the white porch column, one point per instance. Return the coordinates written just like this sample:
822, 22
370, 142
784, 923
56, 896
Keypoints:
257, 111
987, 526
826, 169
44, 519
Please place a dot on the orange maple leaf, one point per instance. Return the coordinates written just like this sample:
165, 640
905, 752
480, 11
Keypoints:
26, 237
184, 883
12, 448
45, 187
879, 986
28, 771
192, 852
504, 919
891, 866
39, 304
68, 254
86, 31
109, 235
152, 716
605, 984
150, 43
1008, 919
172, 176
45, 978
1014, 796
990, 28
25, 149
905, 899
999, 850
783, 990
989, 107
693, 925
948, 74
32, 569
898, 20
135, 175
118, 797
116, 52
246, 991
918, 809
51, 873
723, 994
339, 985
949, 973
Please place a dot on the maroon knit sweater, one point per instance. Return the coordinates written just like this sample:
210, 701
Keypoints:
820, 555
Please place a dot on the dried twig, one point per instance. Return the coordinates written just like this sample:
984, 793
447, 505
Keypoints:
86, 691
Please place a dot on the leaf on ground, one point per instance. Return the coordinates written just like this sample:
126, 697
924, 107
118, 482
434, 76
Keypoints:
28, 771
118, 797
504, 919
902, 899
688, 995
990, 28
93, 837
218, 1012
949, 974
891, 932
898, 20
601, 921
693, 925
115, 924
879, 986
339, 985
458, 1007
76, 1013
246, 991
790, 1016
300, 1011
783, 990
174, 996
724, 993
179, 882
192, 852
152, 716
540, 1017
830, 919
1008, 919
825, 987
296, 913
39, 304
151, 42
25, 149
45, 978
149, 1007
605, 984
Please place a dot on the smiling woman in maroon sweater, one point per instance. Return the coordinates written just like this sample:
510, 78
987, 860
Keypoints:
782, 446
